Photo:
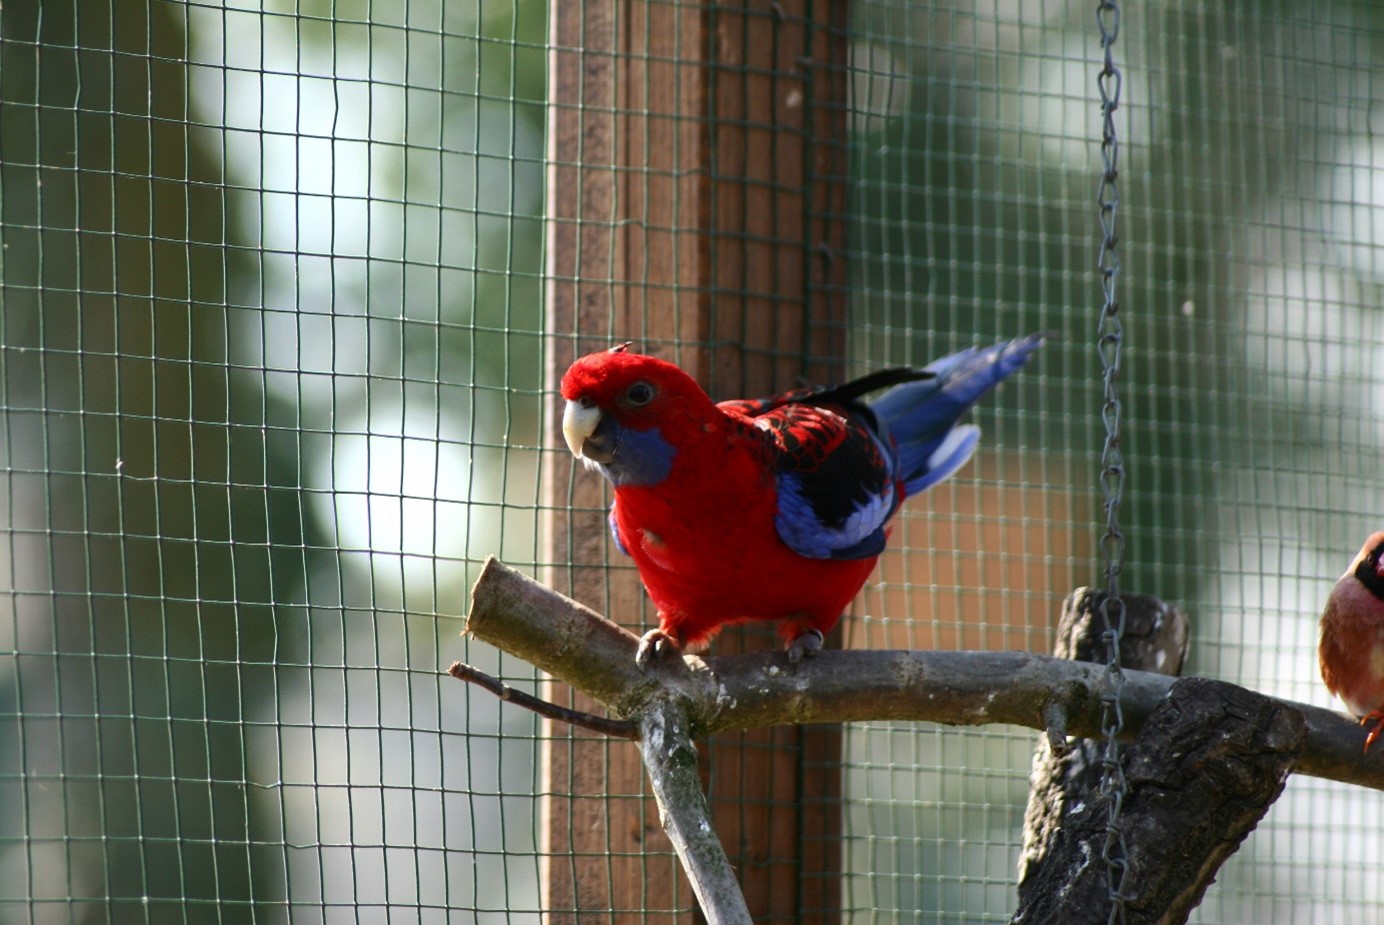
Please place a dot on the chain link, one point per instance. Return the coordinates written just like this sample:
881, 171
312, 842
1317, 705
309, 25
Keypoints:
1110, 338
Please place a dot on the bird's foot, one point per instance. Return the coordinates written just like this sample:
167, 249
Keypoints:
655, 645
805, 646
1378, 717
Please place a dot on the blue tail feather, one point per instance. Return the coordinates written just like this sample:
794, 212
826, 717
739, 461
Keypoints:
921, 417
955, 450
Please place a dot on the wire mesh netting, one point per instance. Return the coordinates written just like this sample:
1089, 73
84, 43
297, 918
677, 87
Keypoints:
271, 285
281, 312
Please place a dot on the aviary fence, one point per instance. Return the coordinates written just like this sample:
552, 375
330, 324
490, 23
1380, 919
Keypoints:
286, 292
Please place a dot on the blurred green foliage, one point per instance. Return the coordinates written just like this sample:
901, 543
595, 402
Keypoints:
260, 268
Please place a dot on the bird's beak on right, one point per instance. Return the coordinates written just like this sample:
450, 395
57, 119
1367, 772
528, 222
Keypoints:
579, 421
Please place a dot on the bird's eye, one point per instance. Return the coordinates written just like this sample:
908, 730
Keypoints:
641, 393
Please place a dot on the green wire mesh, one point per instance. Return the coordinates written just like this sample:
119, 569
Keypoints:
271, 285
271, 388
1251, 249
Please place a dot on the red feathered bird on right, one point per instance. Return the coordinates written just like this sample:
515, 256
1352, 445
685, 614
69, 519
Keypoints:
1351, 651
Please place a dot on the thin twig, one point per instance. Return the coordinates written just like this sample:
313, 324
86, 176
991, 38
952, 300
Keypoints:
623, 729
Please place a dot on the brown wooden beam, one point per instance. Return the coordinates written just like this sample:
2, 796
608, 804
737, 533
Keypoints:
696, 205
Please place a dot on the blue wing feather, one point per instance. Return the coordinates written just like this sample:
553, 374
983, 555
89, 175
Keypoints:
843, 465
615, 532
833, 477
859, 535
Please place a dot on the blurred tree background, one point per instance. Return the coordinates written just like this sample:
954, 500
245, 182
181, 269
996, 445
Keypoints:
1252, 190
272, 388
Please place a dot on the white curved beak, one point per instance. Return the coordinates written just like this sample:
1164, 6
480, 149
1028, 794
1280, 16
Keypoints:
579, 422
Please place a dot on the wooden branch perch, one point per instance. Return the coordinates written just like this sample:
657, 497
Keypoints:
578, 646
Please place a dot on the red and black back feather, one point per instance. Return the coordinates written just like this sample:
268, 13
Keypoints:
828, 445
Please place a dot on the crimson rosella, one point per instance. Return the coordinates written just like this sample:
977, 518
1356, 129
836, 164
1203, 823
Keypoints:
768, 509
1351, 651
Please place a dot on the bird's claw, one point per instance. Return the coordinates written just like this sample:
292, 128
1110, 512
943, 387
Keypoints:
805, 646
1377, 715
655, 645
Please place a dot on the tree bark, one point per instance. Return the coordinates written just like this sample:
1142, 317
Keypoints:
665, 744
1066, 779
1207, 765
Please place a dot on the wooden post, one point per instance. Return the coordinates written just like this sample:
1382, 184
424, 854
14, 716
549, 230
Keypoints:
1061, 786
696, 200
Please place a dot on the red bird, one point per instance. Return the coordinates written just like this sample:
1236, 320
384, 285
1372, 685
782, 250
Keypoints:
767, 509
1351, 651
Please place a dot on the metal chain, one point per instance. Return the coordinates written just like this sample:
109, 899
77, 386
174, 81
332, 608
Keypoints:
1110, 337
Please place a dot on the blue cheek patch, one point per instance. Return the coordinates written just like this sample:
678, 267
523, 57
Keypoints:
642, 458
